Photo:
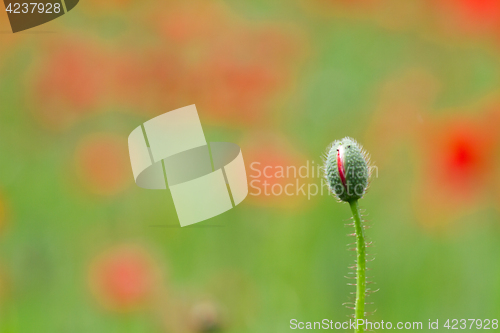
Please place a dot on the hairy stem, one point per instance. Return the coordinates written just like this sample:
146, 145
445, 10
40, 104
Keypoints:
359, 312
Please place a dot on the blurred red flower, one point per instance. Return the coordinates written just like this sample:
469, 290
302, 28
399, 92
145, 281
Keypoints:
166, 84
459, 156
103, 164
236, 71
242, 76
123, 278
70, 84
456, 152
468, 16
458, 164
237, 84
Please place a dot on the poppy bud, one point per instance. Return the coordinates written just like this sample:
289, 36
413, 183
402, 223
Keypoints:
347, 170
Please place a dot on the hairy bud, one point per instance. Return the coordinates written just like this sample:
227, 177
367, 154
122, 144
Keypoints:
347, 170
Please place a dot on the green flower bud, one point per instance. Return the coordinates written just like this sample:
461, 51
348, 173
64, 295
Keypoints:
347, 170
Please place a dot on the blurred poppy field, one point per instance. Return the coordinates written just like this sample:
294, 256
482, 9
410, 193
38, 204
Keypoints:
416, 82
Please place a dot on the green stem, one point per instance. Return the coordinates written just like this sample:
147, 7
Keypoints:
359, 312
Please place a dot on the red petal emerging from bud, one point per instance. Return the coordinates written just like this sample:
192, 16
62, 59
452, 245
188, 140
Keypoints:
341, 164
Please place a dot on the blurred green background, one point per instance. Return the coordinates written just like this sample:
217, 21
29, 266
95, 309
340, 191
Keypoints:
417, 83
